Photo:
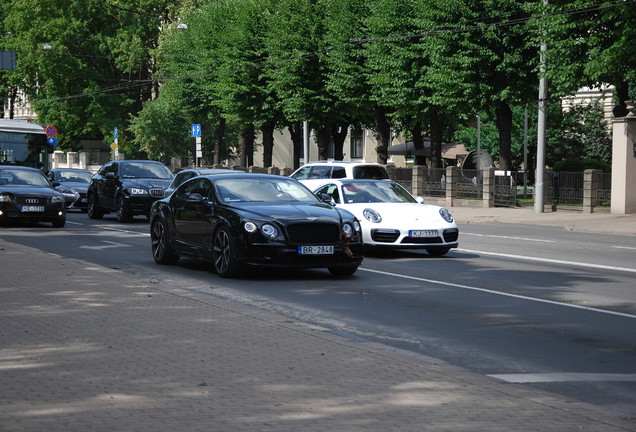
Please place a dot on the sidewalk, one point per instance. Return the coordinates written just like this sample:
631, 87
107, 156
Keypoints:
86, 348
571, 220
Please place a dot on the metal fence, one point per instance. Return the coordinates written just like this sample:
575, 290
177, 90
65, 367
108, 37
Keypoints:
434, 183
470, 184
565, 188
605, 189
505, 188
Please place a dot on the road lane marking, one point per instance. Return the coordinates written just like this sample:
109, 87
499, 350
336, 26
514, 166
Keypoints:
108, 246
552, 261
488, 291
509, 237
624, 247
564, 377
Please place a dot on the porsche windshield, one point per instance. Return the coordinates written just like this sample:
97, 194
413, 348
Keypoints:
379, 191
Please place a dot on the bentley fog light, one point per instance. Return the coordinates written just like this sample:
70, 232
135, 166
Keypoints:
445, 214
372, 215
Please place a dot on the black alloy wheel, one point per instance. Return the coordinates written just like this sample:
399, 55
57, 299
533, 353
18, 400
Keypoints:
223, 253
123, 210
161, 251
343, 271
59, 222
93, 207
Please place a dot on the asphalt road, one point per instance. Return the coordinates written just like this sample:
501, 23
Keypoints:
538, 305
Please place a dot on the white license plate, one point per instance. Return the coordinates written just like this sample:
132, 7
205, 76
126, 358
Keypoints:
29, 209
423, 233
315, 250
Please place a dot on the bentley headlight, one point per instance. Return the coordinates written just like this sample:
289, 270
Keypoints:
269, 231
372, 215
138, 191
250, 227
347, 229
445, 214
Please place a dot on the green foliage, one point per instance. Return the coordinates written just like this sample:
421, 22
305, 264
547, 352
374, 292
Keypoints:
580, 165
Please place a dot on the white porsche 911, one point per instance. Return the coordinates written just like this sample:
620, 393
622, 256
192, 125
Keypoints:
391, 217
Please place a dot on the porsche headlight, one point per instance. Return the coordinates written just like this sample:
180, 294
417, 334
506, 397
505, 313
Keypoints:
138, 191
445, 214
372, 215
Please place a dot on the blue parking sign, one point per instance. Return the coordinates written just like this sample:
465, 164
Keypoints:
196, 130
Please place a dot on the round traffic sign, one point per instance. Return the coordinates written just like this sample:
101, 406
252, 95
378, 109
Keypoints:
51, 131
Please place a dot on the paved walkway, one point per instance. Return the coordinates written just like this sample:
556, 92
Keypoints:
600, 222
86, 348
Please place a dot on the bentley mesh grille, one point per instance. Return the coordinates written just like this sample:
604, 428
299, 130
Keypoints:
313, 233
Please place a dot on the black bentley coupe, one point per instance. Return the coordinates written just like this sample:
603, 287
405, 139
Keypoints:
238, 220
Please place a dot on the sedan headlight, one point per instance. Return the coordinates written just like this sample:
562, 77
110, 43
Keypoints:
57, 199
351, 229
137, 191
268, 230
372, 215
5, 198
445, 214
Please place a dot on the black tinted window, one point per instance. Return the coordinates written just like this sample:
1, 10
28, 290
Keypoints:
375, 172
338, 172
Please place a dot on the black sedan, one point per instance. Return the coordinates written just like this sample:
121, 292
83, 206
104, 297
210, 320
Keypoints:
73, 184
188, 173
237, 220
26, 195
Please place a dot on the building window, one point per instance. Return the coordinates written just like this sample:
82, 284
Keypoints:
357, 143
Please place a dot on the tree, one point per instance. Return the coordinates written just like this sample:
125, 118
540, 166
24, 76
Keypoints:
85, 66
590, 43
485, 59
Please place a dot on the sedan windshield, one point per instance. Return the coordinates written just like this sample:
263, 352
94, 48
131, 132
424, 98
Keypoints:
23, 178
380, 191
269, 190
145, 170
72, 176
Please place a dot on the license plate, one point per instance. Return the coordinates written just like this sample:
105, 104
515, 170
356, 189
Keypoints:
423, 233
315, 250
29, 209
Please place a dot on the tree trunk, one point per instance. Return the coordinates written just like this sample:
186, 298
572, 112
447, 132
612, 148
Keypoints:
323, 138
296, 132
382, 135
339, 134
219, 132
437, 133
246, 146
504, 126
418, 144
267, 130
